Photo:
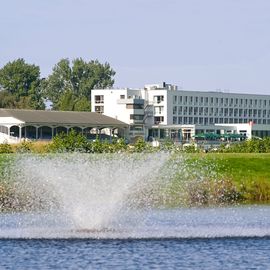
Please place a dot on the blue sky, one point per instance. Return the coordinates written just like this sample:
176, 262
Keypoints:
196, 44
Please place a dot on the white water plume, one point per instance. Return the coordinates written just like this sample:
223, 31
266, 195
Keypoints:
92, 190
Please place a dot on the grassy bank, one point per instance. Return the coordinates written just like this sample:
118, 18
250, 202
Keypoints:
199, 179
247, 173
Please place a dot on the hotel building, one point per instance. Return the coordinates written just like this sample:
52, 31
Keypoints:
162, 111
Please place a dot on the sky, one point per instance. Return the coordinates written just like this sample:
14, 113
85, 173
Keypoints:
208, 45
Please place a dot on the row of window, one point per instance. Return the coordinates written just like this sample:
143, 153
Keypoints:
180, 110
138, 117
135, 106
211, 120
228, 102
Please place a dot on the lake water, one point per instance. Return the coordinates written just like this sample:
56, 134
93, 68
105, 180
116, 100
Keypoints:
194, 238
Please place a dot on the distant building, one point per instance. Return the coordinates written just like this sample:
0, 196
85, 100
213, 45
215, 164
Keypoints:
162, 111
16, 125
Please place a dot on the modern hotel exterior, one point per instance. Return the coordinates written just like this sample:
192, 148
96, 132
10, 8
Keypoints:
161, 111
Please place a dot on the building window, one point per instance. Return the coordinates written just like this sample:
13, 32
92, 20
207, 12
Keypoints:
99, 99
99, 109
159, 109
158, 119
136, 128
122, 96
134, 106
136, 117
201, 100
158, 99
241, 102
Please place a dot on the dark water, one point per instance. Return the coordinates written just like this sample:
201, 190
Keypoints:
216, 253
206, 238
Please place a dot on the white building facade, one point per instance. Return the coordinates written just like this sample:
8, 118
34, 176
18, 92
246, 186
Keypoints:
162, 111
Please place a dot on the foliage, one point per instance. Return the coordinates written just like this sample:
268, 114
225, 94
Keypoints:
7, 100
248, 146
24, 147
72, 141
69, 86
140, 145
190, 149
167, 145
70, 102
21, 85
5, 148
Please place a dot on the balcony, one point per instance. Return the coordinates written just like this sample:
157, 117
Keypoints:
130, 101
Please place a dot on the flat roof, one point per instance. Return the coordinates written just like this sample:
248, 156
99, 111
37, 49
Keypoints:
62, 117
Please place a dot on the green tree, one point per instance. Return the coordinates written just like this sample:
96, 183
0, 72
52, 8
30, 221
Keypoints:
7, 100
70, 102
82, 104
21, 85
76, 79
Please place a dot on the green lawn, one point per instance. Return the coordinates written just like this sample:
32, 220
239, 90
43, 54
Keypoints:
248, 172
241, 167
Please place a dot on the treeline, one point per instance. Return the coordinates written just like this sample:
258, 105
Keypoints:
76, 142
248, 146
68, 87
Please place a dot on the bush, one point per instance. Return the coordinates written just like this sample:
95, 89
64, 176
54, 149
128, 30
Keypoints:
24, 147
249, 146
70, 142
5, 148
140, 145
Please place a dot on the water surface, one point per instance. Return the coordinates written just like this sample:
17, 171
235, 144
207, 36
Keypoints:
195, 238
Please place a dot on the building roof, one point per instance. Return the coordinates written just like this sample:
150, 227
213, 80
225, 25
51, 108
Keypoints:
61, 117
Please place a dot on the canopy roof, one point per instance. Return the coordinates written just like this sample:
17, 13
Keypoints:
218, 136
61, 118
